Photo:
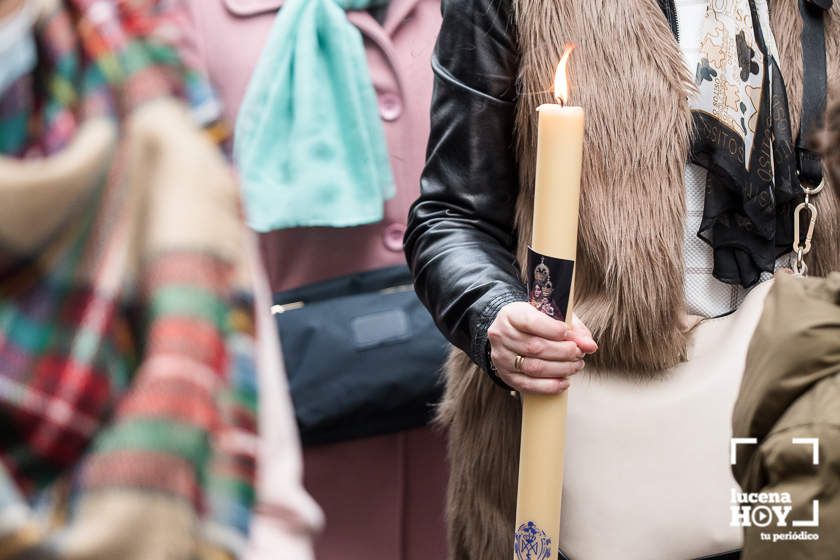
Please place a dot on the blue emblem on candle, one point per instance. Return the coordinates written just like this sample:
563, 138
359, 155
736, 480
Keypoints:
531, 543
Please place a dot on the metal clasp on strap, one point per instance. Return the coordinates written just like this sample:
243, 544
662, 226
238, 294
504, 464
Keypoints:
797, 221
799, 266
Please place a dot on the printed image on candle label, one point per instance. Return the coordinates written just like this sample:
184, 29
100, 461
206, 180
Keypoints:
550, 284
531, 543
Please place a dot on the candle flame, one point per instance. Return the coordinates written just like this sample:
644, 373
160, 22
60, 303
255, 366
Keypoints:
561, 81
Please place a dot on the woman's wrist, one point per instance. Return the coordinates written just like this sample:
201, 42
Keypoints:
494, 373
480, 351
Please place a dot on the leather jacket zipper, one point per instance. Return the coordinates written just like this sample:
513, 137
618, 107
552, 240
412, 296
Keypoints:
669, 8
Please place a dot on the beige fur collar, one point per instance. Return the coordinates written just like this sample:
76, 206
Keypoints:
629, 75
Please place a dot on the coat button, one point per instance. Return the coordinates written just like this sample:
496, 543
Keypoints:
390, 107
392, 237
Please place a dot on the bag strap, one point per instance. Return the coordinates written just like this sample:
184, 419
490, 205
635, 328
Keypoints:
814, 86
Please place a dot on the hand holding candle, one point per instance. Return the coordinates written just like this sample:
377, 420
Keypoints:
532, 352
551, 280
551, 350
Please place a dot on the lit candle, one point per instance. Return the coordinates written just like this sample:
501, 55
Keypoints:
551, 271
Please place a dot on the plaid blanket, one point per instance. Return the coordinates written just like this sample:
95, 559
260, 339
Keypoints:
127, 379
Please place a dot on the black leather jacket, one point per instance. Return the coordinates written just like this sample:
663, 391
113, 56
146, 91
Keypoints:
460, 243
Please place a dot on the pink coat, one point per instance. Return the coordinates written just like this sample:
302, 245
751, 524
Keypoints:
399, 54
383, 497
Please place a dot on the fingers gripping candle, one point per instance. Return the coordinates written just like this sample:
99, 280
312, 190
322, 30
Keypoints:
550, 285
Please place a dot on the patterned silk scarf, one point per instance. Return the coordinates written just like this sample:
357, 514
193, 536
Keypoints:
743, 138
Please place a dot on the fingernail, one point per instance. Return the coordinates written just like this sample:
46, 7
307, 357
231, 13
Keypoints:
581, 364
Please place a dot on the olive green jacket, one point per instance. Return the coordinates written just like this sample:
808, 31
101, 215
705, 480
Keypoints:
791, 389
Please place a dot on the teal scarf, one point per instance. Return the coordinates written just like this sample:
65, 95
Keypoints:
309, 143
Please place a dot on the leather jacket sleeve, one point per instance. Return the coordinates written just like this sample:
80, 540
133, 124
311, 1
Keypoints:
460, 241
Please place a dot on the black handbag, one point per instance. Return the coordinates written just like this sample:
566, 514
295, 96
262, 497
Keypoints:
362, 354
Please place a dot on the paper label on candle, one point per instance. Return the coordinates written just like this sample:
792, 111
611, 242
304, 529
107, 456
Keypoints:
550, 284
532, 543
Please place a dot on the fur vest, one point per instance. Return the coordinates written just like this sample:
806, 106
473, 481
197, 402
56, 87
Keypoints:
629, 285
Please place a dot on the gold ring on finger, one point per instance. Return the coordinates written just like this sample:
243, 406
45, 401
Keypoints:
518, 363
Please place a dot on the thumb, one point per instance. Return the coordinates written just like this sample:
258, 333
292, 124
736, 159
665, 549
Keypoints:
582, 336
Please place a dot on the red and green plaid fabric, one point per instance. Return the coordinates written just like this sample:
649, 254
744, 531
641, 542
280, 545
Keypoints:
60, 369
150, 388
186, 425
